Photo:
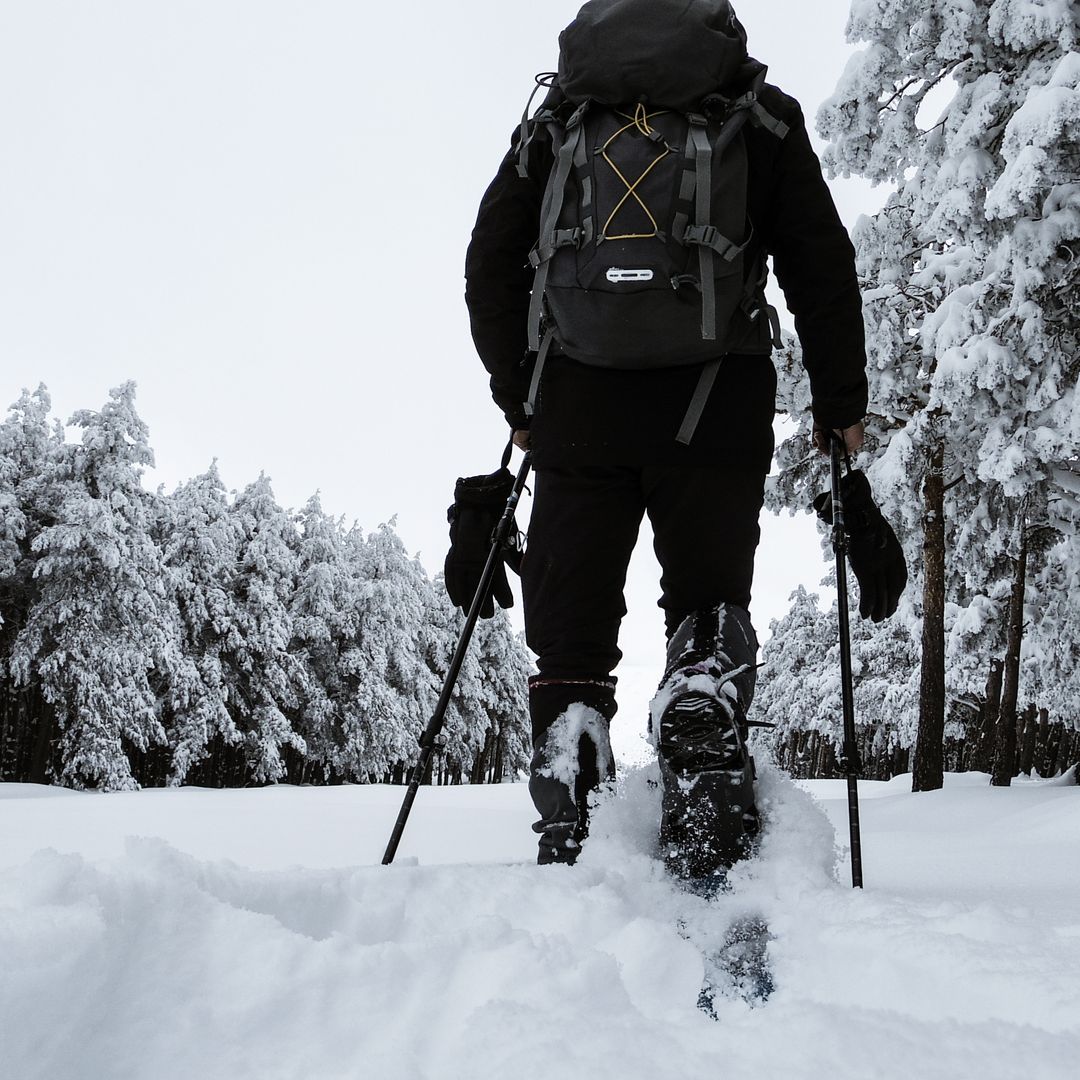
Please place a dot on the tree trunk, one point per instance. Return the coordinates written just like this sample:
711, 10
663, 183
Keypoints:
954, 755
497, 760
1068, 751
45, 715
1053, 745
16, 744
1027, 746
826, 766
901, 761
928, 774
982, 756
1041, 740
9, 740
1005, 750
483, 760
806, 753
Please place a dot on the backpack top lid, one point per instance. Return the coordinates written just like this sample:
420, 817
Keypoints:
671, 53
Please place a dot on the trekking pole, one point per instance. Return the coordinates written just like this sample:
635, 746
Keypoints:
850, 760
429, 740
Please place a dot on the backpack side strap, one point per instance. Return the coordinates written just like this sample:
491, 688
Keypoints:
696, 408
538, 370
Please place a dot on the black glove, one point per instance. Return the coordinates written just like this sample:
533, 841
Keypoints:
479, 502
876, 558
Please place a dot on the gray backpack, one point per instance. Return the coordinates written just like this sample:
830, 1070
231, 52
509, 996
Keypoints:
640, 261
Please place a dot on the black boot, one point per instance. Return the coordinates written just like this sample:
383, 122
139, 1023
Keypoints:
698, 720
571, 757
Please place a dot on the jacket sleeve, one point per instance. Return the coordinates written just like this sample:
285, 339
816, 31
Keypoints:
814, 262
498, 283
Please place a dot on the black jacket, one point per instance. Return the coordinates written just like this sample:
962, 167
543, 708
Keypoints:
604, 416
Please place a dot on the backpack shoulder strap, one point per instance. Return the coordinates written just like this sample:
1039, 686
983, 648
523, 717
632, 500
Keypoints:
703, 233
565, 143
757, 114
761, 117
707, 237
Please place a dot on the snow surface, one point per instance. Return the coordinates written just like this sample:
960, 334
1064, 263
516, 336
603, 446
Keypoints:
233, 934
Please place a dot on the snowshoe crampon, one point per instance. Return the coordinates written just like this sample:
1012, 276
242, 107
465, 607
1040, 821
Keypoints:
709, 817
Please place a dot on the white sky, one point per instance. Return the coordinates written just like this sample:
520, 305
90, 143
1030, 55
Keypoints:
258, 210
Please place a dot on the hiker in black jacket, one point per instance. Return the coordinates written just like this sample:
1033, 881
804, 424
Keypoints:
603, 443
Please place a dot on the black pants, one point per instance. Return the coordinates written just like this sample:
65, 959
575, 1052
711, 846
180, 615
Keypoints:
584, 525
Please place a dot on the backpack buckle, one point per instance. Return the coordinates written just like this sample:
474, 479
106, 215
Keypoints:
706, 235
577, 116
709, 236
568, 237
560, 238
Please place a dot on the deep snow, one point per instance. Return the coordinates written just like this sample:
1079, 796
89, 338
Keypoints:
169, 934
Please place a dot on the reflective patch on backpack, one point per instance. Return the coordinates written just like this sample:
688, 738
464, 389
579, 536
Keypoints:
617, 275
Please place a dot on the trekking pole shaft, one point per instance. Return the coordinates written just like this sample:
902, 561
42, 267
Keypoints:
429, 740
851, 753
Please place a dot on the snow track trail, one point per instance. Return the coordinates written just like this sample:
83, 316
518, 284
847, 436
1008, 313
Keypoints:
233, 934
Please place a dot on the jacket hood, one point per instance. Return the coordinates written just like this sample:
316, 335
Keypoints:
670, 53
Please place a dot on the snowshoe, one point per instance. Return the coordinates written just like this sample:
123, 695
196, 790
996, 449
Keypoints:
698, 721
739, 968
736, 968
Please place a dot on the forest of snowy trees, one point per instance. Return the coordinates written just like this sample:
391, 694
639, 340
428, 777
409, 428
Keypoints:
971, 280
202, 638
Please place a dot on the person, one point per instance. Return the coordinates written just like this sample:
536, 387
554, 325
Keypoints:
603, 445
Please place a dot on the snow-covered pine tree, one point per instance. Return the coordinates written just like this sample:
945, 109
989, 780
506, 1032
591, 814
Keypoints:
200, 550
97, 640
1052, 659
325, 611
30, 447
799, 692
968, 273
265, 682
793, 684
467, 722
506, 664
393, 690
487, 734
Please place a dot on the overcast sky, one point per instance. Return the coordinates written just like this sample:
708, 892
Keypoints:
258, 210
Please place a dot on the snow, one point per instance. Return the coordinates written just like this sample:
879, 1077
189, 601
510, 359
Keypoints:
561, 754
248, 933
